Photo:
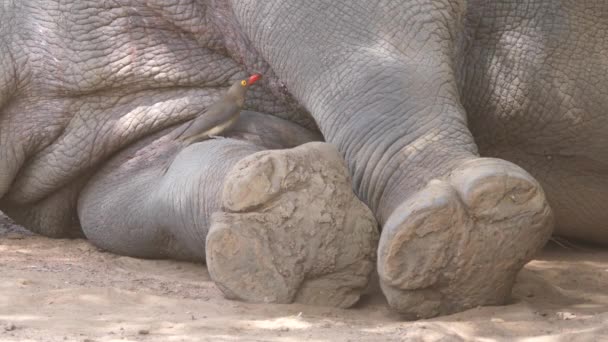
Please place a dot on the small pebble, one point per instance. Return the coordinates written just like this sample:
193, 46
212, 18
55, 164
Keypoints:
143, 332
566, 316
10, 327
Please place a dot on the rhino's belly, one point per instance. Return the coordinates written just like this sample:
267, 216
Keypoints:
538, 88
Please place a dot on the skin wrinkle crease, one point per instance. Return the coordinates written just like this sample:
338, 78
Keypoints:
385, 157
93, 129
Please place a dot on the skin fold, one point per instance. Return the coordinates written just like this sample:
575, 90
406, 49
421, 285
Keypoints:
471, 130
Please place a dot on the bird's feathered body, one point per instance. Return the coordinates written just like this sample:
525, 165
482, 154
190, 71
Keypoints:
217, 119
221, 116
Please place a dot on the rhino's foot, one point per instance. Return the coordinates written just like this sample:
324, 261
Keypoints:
460, 243
292, 229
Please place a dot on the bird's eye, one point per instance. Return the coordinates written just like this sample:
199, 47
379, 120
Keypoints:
243, 83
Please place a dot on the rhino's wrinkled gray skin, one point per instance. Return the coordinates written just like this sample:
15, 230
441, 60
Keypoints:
437, 107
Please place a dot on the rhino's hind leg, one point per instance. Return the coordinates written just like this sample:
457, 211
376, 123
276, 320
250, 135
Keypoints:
291, 229
460, 243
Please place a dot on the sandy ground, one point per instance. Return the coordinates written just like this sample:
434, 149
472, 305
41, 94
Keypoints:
68, 290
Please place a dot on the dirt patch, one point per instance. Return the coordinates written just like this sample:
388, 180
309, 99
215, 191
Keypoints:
68, 290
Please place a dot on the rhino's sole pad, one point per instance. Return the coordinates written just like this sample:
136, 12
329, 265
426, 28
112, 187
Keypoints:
292, 229
459, 243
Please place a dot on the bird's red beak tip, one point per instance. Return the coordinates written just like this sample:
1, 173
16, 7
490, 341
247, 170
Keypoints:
254, 78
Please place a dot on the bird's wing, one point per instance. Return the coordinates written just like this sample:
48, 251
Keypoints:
214, 116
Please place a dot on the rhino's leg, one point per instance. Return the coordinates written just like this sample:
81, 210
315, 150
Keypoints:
286, 227
134, 206
383, 86
291, 228
140, 200
460, 241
